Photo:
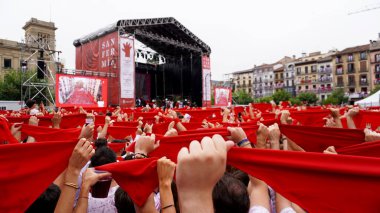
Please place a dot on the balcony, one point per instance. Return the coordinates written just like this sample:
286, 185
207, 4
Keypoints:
308, 90
340, 84
352, 84
338, 60
268, 87
325, 90
377, 81
279, 86
351, 71
363, 82
325, 79
326, 70
339, 72
289, 77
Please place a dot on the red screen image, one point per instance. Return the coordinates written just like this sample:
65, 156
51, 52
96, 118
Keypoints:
83, 91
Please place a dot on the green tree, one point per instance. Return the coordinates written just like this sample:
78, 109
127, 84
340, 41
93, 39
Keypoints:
10, 87
266, 99
281, 95
308, 97
295, 101
336, 97
377, 88
241, 97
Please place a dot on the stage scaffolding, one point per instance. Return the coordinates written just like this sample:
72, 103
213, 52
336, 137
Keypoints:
38, 52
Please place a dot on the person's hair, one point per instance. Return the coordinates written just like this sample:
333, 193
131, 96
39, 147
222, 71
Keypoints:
29, 103
100, 142
103, 155
240, 175
230, 195
123, 202
109, 114
47, 201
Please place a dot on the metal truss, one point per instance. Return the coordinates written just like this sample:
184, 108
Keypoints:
42, 87
166, 40
140, 26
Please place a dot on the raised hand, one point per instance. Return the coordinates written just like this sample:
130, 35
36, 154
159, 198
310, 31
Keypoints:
165, 171
33, 121
146, 144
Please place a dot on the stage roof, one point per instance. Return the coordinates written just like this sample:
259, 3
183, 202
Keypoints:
164, 35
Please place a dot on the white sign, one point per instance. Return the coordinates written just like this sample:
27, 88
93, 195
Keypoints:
127, 68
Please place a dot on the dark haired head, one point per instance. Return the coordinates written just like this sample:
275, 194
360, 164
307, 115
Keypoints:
29, 103
100, 142
103, 155
123, 202
230, 195
109, 114
47, 201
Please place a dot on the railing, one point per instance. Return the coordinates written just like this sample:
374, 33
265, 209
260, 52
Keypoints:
325, 90
351, 83
338, 60
280, 85
364, 83
351, 70
289, 76
325, 70
340, 84
339, 72
377, 81
325, 79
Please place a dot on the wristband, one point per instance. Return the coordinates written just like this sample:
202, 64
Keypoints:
72, 185
242, 141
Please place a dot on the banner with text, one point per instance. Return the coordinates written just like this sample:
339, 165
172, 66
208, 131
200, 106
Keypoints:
206, 81
127, 72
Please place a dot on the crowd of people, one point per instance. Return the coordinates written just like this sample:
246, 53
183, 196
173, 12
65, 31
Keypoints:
189, 159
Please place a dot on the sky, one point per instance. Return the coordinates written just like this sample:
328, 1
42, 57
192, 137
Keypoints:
241, 33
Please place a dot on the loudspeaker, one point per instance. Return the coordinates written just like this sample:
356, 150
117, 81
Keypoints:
41, 69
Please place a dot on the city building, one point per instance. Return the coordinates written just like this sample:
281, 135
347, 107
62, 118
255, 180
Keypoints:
351, 69
242, 80
308, 78
12, 53
289, 77
278, 77
375, 61
263, 80
324, 77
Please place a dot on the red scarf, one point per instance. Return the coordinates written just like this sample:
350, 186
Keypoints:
317, 139
5, 134
311, 117
28, 169
48, 134
317, 182
137, 177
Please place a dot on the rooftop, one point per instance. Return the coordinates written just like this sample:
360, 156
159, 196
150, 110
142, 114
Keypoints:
360, 48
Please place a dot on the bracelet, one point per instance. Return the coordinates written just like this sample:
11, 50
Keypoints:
245, 143
84, 197
168, 206
73, 185
142, 154
242, 141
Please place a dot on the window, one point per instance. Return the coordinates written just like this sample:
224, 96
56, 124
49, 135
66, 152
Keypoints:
314, 68
377, 58
377, 68
306, 70
307, 87
314, 86
351, 68
350, 58
363, 56
7, 63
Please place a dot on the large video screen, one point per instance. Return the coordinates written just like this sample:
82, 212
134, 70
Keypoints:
222, 96
80, 91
